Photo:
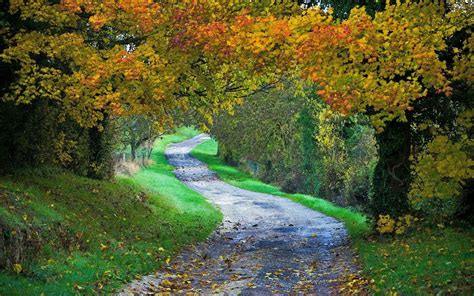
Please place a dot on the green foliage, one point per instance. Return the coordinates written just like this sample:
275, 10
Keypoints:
96, 235
296, 142
33, 135
138, 132
346, 156
309, 150
101, 144
264, 135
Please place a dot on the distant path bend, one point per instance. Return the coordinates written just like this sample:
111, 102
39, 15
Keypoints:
266, 245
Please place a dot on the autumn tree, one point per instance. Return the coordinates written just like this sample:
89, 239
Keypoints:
395, 64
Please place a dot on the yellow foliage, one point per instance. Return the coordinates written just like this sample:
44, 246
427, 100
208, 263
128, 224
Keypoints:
464, 62
63, 149
442, 168
357, 61
386, 224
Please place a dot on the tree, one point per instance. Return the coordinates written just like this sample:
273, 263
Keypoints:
137, 131
395, 64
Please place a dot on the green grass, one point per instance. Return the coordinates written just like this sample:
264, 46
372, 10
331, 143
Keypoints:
425, 260
428, 261
160, 179
95, 236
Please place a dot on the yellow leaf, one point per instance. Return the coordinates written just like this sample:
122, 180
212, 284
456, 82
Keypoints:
17, 268
166, 283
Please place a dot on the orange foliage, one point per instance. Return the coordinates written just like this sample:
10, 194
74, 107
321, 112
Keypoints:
381, 63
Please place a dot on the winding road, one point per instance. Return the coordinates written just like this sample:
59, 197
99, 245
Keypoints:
267, 245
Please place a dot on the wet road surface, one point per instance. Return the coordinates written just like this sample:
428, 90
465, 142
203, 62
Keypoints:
267, 245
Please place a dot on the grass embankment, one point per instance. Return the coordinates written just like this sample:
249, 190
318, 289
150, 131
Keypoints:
423, 261
85, 236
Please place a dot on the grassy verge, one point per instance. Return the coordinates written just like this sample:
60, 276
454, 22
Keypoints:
82, 236
425, 260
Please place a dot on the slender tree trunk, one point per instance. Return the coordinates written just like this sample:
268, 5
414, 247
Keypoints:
150, 151
392, 178
133, 151
466, 209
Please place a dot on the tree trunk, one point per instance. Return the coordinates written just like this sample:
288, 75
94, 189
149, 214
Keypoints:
100, 152
133, 151
392, 178
150, 151
466, 208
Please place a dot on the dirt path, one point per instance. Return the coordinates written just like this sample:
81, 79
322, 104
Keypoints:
266, 245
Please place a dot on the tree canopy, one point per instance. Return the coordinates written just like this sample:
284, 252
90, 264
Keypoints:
132, 57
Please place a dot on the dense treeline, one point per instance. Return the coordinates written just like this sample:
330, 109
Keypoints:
39, 132
298, 143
